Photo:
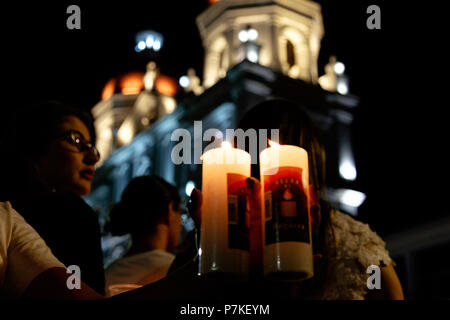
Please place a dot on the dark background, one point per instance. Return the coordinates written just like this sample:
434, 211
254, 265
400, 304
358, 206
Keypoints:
399, 129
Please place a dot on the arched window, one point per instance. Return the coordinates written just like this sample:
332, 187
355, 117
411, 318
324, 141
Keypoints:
290, 53
294, 54
221, 59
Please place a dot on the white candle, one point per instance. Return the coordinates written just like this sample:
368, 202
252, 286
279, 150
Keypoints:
224, 229
287, 243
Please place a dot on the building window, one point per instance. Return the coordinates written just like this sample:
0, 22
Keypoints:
223, 62
290, 53
221, 59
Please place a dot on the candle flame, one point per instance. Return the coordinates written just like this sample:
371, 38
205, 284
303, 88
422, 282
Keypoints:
273, 144
226, 145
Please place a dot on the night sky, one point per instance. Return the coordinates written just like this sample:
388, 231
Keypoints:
42, 59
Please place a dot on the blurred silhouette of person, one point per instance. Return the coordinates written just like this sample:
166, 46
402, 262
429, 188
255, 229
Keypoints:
343, 247
150, 211
50, 165
28, 269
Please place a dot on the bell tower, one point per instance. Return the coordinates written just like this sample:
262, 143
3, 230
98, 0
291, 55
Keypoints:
284, 35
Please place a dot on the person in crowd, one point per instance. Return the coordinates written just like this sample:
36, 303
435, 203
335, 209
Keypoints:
50, 165
28, 269
47, 165
150, 211
344, 248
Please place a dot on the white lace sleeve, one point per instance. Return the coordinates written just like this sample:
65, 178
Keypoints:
357, 247
355, 239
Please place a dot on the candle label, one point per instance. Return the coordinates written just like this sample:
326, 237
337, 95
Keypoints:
286, 206
238, 212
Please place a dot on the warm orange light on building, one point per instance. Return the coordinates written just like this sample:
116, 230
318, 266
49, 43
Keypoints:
132, 83
109, 89
166, 85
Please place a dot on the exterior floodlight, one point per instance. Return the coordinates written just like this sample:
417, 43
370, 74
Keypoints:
252, 34
243, 36
157, 45
253, 54
148, 40
339, 68
140, 46
352, 198
184, 81
348, 200
248, 35
251, 51
347, 170
342, 88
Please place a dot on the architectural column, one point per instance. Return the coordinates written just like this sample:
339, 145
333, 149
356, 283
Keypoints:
229, 34
274, 44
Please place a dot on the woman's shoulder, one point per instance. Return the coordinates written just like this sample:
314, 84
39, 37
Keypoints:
51, 211
355, 239
68, 203
133, 268
355, 247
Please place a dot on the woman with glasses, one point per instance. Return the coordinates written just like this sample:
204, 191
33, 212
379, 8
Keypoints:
51, 165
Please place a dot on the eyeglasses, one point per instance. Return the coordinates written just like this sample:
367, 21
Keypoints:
76, 139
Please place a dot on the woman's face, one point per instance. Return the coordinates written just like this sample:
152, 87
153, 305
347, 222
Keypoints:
64, 167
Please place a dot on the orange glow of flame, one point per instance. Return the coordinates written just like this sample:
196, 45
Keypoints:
213, 1
166, 85
132, 83
273, 144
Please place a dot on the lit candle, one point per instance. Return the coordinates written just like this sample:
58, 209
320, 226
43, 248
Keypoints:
225, 216
287, 243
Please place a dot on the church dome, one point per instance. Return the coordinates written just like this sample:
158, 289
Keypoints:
127, 84
133, 83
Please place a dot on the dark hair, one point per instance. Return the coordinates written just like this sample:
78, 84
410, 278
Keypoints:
297, 128
42, 123
144, 202
29, 132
